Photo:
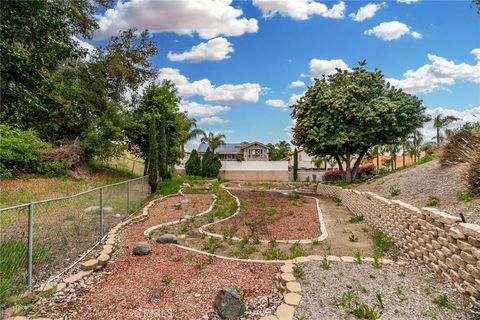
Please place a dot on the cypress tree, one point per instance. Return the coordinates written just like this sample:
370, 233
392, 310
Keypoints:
210, 164
153, 156
295, 165
193, 165
163, 148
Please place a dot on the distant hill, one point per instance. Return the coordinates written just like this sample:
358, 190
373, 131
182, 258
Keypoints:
417, 184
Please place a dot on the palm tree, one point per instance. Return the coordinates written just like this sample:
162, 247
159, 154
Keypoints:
193, 131
214, 140
439, 122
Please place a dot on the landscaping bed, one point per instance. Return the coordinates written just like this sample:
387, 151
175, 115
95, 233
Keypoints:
271, 215
352, 290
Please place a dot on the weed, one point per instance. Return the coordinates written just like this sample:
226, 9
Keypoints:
337, 201
273, 252
365, 229
298, 271
352, 238
271, 212
402, 274
363, 311
150, 235
429, 287
394, 191
212, 244
190, 257
349, 299
244, 251
325, 264
315, 242
464, 196
167, 280
442, 301
297, 250
379, 298
262, 204
185, 228
381, 244
433, 201
358, 256
364, 290
294, 196
199, 265
255, 239
377, 262
355, 219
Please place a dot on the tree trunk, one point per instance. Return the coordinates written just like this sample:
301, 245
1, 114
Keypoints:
347, 166
378, 160
415, 146
357, 163
340, 166
438, 136
403, 156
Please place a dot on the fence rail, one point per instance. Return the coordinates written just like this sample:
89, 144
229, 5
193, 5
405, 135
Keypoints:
38, 240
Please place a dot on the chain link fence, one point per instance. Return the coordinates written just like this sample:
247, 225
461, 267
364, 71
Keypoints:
41, 239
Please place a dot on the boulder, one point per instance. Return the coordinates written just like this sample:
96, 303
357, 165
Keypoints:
96, 209
141, 249
229, 304
167, 238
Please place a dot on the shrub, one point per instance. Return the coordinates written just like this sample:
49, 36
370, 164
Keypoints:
333, 174
297, 250
368, 169
19, 151
433, 201
464, 196
53, 168
193, 164
298, 271
442, 301
210, 164
394, 191
381, 244
473, 172
355, 219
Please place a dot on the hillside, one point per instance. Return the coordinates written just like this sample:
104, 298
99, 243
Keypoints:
417, 184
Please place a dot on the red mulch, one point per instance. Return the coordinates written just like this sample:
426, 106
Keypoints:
128, 292
289, 222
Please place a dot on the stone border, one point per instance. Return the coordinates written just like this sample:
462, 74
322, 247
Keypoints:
323, 229
291, 290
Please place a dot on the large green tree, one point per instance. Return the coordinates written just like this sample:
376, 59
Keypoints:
153, 156
211, 164
344, 114
193, 166
161, 100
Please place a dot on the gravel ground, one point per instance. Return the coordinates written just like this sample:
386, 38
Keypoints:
419, 183
407, 292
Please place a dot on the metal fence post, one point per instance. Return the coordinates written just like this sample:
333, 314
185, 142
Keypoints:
30, 247
101, 213
128, 197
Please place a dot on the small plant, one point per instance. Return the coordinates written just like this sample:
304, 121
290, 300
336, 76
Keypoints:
464, 196
199, 265
271, 212
325, 264
365, 229
262, 204
297, 250
363, 311
185, 228
429, 288
190, 257
355, 219
256, 239
364, 290
381, 244
394, 191
167, 280
150, 235
273, 252
178, 206
377, 263
212, 244
379, 298
337, 200
433, 201
442, 302
352, 237
402, 274
358, 257
298, 271
294, 196
349, 299
315, 242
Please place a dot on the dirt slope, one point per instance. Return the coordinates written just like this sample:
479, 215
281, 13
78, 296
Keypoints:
419, 183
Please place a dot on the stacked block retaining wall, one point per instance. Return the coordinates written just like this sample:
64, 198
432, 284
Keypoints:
445, 244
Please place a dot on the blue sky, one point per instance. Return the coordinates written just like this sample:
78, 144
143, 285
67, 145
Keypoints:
234, 61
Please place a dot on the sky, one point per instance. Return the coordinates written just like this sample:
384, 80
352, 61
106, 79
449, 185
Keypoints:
239, 65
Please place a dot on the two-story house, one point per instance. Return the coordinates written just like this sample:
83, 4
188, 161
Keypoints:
247, 151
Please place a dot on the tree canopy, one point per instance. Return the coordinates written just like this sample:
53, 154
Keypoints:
344, 114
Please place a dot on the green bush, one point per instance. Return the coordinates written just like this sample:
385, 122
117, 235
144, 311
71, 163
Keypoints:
210, 164
53, 168
193, 165
19, 151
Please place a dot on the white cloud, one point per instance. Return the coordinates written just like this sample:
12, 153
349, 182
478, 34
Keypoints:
318, 68
296, 84
468, 115
407, 1
476, 53
226, 93
85, 45
440, 72
211, 120
194, 109
392, 30
299, 9
278, 103
212, 50
207, 18
367, 11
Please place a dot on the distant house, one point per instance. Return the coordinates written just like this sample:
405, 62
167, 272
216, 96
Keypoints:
304, 160
247, 151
